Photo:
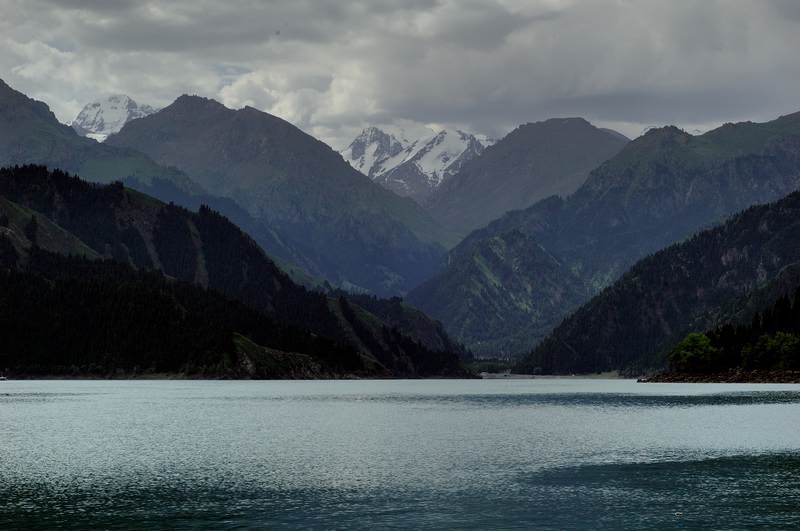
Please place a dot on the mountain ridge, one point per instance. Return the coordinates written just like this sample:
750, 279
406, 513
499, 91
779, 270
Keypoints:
534, 161
686, 287
352, 229
659, 189
203, 248
31, 134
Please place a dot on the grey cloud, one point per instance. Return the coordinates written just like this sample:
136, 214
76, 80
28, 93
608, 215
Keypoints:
335, 66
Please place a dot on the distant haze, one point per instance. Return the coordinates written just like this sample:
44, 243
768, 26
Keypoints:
334, 67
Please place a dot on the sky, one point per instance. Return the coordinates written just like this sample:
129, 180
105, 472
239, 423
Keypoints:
485, 66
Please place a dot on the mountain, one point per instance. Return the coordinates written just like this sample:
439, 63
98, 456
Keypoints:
354, 232
661, 188
105, 117
501, 293
372, 148
534, 161
31, 134
203, 248
412, 168
683, 288
78, 317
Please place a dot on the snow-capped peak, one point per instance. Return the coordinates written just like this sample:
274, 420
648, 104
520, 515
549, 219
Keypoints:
445, 153
105, 117
371, 149
412, 168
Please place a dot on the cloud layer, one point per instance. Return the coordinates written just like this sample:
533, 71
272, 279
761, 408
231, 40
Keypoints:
332, 67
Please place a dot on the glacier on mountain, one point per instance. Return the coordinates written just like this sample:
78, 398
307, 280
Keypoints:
413, 168
107, 116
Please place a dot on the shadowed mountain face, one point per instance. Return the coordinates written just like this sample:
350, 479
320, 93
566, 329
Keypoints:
659, 189
686, 287
31, 134
205, 249
353, 232
503, 294
534, 161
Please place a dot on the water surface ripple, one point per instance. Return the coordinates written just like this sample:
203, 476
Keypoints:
424, 454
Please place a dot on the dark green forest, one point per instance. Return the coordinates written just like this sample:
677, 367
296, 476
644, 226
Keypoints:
71, 316
771, 341
687, 287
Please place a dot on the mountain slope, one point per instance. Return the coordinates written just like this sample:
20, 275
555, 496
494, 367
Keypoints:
502, 295
24, 228
353, 230
31, 134
412, 168
206, 249
76, 317
532, 162
99, 119
682, 288
660, 188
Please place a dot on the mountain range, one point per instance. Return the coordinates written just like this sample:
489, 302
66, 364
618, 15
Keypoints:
689, 286
533, 162
412, 168
66, 216
31, 134
297, 197
659, 189
541, 225
348, 229
99, 119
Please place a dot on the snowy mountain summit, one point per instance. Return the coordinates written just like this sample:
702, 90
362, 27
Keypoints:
102, 118
413, 168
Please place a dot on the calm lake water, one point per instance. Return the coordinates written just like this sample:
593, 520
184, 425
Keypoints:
426, 454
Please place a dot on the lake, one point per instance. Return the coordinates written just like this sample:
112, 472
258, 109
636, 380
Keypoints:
421, 454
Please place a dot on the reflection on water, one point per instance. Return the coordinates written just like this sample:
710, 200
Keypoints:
398, 454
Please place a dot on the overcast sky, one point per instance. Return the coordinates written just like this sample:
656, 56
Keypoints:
333, 67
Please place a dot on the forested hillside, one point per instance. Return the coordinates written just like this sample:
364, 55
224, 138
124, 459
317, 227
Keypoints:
69, 316
205, 249
684, 288
659, 189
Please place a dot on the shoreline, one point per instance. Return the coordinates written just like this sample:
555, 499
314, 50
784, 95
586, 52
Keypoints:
157, 377
611, 375
733, 376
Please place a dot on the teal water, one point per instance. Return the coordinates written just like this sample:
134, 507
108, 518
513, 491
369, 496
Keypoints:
425, 454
